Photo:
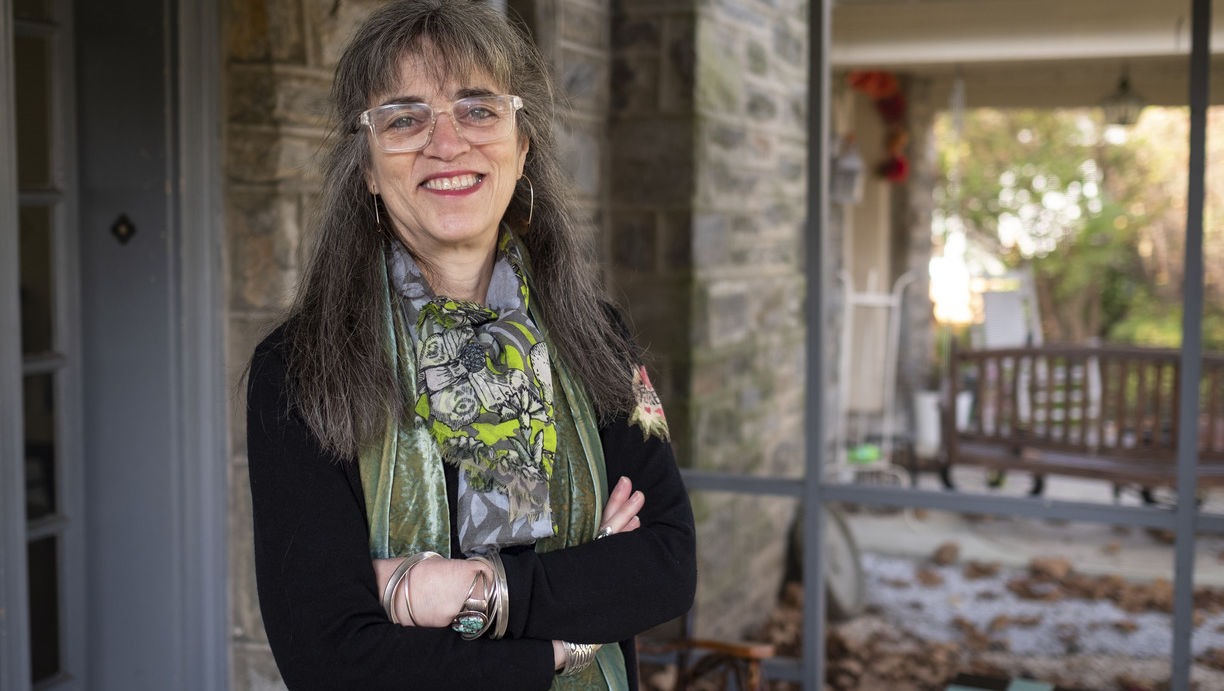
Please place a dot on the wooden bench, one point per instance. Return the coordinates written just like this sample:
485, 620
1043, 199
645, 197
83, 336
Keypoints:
1104, 412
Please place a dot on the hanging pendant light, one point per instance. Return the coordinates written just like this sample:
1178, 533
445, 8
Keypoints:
1123, 106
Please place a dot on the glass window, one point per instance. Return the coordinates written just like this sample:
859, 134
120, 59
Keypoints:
37, 266
44, 609
33, 95
39, 402
37, 53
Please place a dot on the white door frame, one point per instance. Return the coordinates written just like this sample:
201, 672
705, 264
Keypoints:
203, 454
14, 621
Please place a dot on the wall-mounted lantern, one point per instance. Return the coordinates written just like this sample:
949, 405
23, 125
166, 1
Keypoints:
846, 173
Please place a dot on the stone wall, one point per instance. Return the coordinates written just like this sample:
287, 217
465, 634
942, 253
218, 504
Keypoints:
748, 338
279, 60
574, 36
708, 199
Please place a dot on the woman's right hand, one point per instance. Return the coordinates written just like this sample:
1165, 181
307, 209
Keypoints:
437, 587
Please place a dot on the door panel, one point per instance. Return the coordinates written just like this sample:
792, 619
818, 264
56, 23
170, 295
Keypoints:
124, 164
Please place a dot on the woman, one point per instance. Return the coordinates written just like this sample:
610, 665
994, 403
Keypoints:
450, 419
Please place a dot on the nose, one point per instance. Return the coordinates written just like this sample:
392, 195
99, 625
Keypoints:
445, 141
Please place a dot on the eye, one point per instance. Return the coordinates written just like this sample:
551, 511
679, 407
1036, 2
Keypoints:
404, 119
478, 112
481, 113
402, 122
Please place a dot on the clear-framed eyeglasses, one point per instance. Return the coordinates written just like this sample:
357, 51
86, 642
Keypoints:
400, 127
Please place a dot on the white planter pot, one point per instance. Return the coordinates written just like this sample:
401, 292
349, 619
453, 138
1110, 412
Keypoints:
927, 436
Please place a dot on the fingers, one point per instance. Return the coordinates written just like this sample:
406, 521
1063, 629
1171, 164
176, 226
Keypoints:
616, 501
620, 513
620, 494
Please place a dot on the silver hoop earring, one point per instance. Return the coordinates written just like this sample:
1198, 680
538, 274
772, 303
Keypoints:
377, 218
530, 190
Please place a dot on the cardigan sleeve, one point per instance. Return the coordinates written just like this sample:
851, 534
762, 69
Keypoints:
317, 589
612, 589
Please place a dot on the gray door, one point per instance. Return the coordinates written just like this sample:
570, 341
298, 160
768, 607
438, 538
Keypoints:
127, 307
113, 495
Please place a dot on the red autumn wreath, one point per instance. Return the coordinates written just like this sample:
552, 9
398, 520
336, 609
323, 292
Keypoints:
885, 92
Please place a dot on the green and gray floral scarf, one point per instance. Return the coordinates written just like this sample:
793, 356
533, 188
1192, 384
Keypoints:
481, 385
484, 388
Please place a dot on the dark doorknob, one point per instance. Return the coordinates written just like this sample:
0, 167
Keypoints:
123, 229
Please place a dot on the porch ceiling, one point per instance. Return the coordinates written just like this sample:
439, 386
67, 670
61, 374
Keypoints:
1036, 53
934, 32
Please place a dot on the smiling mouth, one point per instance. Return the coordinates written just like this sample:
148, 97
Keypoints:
458, 182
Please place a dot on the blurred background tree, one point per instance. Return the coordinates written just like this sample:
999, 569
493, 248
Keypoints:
1096, 212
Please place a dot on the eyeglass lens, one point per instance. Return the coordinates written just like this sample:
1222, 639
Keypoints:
408, 126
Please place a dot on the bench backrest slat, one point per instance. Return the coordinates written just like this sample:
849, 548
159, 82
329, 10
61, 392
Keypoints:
1106, 400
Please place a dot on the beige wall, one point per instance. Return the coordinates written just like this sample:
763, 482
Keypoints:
867, 252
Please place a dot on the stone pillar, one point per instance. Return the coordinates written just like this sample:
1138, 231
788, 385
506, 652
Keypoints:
708, 176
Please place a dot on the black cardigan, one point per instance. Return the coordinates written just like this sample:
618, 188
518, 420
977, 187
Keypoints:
318, 594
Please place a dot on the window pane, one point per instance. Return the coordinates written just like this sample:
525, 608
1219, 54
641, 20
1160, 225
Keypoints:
39, 445
44, 609
32, 9
33, 96
37, 297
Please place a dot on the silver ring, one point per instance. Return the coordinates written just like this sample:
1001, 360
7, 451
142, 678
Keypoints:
604, 532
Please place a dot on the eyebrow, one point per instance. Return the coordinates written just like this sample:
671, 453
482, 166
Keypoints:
400, 100
466, 92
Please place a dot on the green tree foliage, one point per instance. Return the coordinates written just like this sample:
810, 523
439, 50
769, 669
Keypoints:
1099, 219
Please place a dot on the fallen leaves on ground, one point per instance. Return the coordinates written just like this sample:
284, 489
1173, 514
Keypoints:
928, 577
975, 570
947, 553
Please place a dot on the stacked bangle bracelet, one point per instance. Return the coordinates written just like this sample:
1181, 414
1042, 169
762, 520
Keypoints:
490, 611
401, 574
578, 656
474, 617
502, 618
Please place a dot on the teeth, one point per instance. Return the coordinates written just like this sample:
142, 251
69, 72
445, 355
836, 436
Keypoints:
458, 182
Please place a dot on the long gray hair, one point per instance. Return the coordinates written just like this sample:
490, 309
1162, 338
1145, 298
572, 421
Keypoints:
344, 386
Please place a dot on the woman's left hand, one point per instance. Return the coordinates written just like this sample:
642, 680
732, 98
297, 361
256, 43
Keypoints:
620, 513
